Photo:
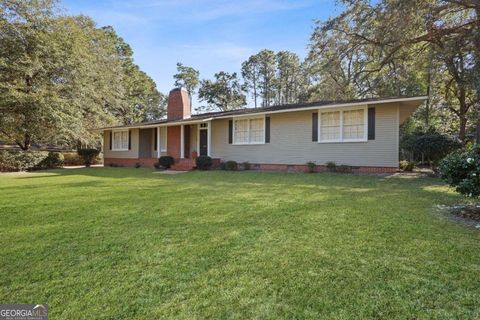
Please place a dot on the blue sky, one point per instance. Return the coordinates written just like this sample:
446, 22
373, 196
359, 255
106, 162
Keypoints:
209, 35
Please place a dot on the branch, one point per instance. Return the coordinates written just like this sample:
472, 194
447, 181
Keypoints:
23, 147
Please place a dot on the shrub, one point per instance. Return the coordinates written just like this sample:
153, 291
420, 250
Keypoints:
331, 166
222, 165
461, 170
203, 162
166, 161
88, 155
157, 165
312, 167
246, 165
72, 159
138, 165
231, 165
429, 146
406, 165
343, 168
52, 161
21, 160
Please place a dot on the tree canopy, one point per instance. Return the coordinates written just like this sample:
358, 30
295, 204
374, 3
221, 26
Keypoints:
224, 93
188, 78
61, 76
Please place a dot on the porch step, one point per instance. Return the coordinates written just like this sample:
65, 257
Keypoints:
183, 165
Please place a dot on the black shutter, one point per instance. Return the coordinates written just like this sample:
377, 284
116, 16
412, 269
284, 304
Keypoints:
230, 131
129, 139
155, 141
315, 126
371, 123
111, 140
267, 130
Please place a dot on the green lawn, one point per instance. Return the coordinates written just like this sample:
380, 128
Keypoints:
118, 243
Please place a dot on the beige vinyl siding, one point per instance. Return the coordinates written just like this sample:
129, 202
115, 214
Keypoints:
193, 138
130, 154
291, 142
146, 142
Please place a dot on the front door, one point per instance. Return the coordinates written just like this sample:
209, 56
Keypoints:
203, 142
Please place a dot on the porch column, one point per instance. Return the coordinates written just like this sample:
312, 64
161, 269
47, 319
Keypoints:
209, 139
158, 142
182, 142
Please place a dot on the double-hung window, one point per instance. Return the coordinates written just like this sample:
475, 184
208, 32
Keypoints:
343, 125
120, 140
249, 131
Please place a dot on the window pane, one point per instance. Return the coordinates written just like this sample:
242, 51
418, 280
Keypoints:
330, 126
117, 136
163, 139
120, 140
124, 140
256, 131
353, 124
241, 131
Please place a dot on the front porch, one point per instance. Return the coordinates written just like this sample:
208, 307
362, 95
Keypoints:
183, 142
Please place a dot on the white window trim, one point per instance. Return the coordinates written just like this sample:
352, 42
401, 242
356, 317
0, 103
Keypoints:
248, 143
113, 140
341, 110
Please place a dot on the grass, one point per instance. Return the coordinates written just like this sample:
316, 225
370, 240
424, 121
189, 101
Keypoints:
118, 243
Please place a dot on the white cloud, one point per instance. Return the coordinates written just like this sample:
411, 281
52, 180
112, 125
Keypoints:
198, 11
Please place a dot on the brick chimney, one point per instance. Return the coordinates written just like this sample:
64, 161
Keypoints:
178, 105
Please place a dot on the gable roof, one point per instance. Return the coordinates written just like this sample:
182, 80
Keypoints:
272, 109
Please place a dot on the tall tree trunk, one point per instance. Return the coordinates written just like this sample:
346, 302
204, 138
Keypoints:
476, 74
428, 102
255, 91
463, 126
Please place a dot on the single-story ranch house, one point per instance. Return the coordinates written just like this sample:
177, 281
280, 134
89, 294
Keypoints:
363, 134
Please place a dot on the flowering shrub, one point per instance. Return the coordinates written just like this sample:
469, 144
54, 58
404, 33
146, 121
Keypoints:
461, 170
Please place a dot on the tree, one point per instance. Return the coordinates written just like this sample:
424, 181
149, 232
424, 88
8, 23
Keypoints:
447, 28
251, 76
290, 81
225, 93
61, 76
276, 78
259, 73
142, 99
188, 78
38, 78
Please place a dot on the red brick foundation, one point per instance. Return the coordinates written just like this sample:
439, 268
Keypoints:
144, 162
180, 164
189, 164
183, 165
320, 168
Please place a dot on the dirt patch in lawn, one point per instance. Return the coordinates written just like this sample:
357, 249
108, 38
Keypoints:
463, 214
